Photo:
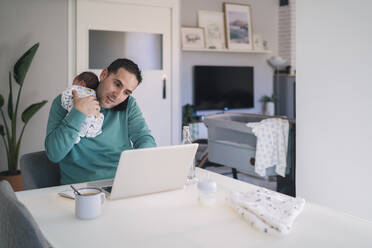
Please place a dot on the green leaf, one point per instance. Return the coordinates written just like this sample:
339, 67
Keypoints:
31, 110
10, 98
21, 66
2, 132
265, 99
1, 100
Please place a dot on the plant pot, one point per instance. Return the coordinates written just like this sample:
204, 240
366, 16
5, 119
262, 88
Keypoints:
14, 180
268, 108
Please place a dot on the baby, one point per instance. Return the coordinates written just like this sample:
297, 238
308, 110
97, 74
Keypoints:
84, 84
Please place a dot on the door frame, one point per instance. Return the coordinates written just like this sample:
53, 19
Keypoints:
174, 5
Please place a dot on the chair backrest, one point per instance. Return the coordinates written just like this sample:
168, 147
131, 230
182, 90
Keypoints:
38, 171
18, 228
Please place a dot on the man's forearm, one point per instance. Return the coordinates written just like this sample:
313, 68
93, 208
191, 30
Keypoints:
62, 131
139, 133
145, 141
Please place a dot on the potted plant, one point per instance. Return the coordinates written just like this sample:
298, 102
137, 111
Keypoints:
8, 130
187, 114
268, 104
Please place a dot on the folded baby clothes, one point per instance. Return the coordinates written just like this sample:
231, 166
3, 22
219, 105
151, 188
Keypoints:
272, 145
267, 211
92, 125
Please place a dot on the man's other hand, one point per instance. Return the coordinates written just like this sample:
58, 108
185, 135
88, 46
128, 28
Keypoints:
86, 105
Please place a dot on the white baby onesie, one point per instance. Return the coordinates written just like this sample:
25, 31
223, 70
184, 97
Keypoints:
92, 125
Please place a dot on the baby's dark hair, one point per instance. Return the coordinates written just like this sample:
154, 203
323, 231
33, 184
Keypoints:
90, 79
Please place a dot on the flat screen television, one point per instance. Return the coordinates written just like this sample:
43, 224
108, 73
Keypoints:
220, 87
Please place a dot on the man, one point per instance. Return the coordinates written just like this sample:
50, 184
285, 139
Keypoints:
123, 127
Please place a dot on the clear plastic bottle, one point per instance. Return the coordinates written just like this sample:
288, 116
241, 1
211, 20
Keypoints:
186, 139
207, 191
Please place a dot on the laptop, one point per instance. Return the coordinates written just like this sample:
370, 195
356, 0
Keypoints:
151, 170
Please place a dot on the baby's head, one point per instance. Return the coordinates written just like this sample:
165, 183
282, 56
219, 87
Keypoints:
87, 79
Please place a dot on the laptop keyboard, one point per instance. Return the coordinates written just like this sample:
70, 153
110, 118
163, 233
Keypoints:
101, 183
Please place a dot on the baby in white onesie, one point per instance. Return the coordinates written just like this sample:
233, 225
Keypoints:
85, 84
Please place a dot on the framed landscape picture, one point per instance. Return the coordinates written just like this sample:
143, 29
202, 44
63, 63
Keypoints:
214, 28
192, 37
238, 21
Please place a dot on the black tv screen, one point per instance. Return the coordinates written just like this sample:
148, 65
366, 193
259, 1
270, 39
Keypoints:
219, 87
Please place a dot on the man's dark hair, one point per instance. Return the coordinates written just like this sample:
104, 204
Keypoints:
126, 64
131, 67
90, 79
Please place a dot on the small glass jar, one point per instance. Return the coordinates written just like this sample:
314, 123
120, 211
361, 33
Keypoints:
207, 192
186, 139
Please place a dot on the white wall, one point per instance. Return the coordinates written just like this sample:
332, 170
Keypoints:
265, 22
334, 104
22, 24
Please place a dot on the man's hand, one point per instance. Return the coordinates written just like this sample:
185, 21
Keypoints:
86, 105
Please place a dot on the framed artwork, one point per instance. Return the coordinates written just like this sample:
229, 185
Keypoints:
213, 24
238, 21
192, 37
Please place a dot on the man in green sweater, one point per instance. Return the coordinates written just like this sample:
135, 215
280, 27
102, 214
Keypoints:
123, 128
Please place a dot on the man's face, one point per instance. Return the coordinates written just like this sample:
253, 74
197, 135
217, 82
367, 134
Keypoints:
114, 88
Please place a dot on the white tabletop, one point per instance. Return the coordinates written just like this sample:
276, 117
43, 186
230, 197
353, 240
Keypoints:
175, 219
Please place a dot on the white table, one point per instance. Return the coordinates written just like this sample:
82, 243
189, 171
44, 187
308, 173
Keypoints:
174, 219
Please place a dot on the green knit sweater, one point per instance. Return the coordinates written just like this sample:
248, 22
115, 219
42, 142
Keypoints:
93, 158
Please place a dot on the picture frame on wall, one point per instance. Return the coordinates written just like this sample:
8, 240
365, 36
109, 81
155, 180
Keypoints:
214, 27
192, 37
238, 21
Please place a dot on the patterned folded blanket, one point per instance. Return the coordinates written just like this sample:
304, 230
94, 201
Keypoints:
267, 211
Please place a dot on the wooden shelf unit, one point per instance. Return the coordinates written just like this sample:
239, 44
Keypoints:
223, 50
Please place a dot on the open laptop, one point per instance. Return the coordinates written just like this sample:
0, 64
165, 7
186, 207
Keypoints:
151, 170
